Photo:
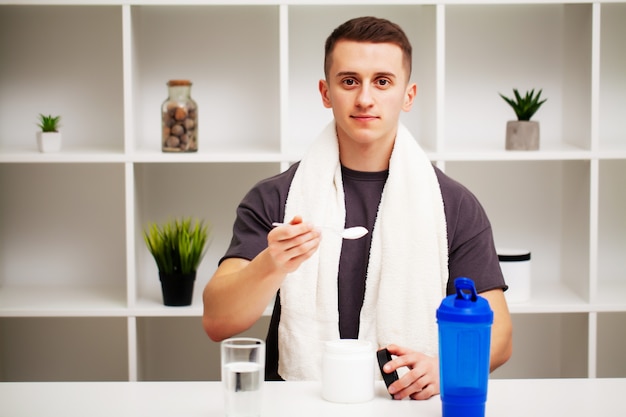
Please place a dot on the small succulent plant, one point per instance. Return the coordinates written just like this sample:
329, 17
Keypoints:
525, 107
49, 123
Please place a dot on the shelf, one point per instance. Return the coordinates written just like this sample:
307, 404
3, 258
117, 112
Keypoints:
611, 284
611, 295
66, 222
64, 349
175, 349
248, 80
153, 307
62, 301
537, 205
612, 69
611, 345
62, 60
494, 151
548, 346
76, 280
549, 297
525, 46
221, 154
212, 155
213, 201
71, 155
613, 152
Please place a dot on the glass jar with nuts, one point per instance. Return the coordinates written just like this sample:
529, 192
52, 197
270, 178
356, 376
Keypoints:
179, 116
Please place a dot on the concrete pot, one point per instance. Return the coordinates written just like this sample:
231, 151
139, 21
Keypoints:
522, 135
49, 141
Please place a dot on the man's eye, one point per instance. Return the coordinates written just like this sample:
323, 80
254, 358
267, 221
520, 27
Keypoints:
383, 82
349, 82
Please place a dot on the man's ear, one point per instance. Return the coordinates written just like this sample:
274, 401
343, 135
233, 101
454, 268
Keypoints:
409, 97
323, 87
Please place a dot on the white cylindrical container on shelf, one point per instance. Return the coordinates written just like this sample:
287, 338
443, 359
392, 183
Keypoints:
515, 265
348, 371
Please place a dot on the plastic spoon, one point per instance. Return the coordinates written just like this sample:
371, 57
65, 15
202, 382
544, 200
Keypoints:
355, 232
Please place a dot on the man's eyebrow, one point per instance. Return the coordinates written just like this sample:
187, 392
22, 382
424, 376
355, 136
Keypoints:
386, 74
346, 74
378, 74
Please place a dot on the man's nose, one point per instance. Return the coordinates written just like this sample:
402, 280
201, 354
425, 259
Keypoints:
365, 97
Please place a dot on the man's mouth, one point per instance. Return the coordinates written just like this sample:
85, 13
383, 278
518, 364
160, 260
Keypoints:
363, 117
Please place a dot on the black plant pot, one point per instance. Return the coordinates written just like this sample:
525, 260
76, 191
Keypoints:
177, 288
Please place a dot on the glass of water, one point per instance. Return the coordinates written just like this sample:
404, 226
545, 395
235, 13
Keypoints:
243, 373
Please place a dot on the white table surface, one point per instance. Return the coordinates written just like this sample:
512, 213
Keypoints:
506, 398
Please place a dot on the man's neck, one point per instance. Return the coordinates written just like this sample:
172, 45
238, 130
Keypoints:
373, 157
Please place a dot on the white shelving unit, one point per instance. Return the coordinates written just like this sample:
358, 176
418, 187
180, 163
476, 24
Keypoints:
79, 293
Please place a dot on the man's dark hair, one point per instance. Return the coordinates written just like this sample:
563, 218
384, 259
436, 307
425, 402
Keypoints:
369, 29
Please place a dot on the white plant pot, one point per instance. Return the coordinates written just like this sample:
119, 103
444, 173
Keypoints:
49, 141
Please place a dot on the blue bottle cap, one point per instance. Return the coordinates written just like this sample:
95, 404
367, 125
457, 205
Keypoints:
466, 306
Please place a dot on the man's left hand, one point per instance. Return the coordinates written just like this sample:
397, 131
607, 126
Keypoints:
421, 381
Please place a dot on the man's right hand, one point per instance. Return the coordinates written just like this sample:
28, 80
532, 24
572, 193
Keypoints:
291, 244
240, 290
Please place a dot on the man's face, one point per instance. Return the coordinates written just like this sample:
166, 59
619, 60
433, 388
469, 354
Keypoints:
367, 88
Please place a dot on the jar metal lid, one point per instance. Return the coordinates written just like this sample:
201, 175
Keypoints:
175, 83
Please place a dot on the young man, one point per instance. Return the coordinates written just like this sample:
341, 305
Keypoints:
365, 169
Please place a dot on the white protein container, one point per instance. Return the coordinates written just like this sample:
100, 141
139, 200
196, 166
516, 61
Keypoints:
515, 265
348, 371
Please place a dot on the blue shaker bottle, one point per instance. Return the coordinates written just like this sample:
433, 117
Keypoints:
464, 320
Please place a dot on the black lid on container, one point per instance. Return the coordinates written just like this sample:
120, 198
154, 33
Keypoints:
510, 257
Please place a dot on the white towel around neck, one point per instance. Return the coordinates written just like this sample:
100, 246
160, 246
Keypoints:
408, 267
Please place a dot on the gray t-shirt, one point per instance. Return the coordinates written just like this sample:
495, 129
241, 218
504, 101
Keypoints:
471, 250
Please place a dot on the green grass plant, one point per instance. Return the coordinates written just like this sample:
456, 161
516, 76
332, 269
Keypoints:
178, 245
